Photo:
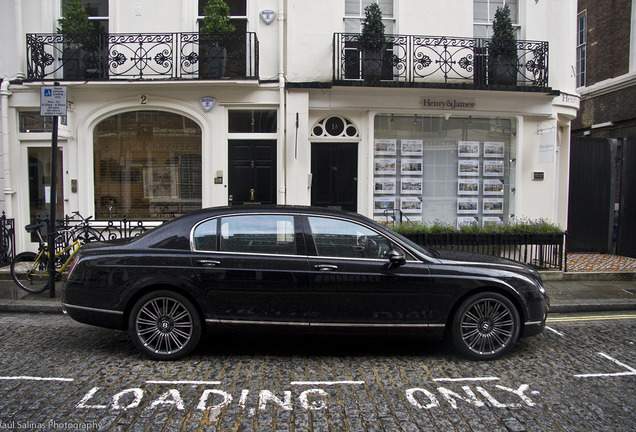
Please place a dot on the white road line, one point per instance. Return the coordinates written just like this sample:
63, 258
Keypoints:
554, 331
631, 370
31, 378
467, 379
328, 383
184, 382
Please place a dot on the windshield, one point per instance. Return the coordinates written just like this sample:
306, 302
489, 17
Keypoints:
421, 249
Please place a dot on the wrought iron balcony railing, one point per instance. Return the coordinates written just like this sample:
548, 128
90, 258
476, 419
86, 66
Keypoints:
439, 60
142, 56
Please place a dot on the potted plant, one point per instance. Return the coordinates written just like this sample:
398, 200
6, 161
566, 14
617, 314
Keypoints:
372, 43
214, 29
78, 33
502, 53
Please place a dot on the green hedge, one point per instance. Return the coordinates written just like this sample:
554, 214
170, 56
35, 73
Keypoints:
539, 226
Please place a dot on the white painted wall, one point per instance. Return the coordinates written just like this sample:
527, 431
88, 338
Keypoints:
308, 55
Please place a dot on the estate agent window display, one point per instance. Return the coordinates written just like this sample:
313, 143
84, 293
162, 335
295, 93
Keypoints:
455, 171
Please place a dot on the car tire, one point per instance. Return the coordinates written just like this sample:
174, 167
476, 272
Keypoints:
165, 325
485, 326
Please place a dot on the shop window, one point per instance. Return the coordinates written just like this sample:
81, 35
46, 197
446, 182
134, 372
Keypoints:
456, 171
32, 122
252, 121
147, 166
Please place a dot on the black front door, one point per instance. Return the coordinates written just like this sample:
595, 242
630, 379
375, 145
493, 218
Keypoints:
334, 168
252, 171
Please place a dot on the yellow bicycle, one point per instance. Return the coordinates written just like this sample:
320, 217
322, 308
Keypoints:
30, 270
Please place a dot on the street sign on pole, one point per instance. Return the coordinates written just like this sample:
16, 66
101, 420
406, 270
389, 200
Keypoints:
53, 101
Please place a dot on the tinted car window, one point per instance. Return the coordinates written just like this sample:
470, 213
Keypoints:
268, 234
205, 236
338, 238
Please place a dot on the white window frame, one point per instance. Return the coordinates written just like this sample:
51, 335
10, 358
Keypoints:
235, 17
581, 49
390, 20
492, 7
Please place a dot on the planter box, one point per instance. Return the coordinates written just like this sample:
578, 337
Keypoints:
502, 71
213, 59
80, 64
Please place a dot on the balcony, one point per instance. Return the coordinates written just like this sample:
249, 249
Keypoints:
438, 61
166, 56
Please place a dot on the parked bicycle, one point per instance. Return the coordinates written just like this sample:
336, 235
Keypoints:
30, 270
73, 230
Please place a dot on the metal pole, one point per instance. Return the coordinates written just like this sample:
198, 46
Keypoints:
53, 202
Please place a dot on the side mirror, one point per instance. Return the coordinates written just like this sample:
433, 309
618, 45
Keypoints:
397, 257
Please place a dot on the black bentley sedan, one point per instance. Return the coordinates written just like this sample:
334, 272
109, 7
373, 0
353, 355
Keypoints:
298, 269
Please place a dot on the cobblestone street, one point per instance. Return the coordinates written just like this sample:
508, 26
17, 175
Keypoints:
56, 374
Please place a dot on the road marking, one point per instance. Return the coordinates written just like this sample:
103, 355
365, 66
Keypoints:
591, 318
553, 330
31, 378
184, 382
328, 383
466, 379
631, 370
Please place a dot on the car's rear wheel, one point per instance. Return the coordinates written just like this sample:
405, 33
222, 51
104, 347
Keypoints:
165, 325
486, 326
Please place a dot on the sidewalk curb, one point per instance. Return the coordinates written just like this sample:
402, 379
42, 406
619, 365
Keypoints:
17, 306
561, 306
549, 275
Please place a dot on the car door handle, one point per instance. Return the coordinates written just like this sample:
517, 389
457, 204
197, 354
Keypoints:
208, 263
325, 267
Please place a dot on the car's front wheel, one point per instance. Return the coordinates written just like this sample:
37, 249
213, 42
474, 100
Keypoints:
486, 326
165, 325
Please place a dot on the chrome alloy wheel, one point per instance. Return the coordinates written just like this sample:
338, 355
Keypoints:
164, 325
486, 326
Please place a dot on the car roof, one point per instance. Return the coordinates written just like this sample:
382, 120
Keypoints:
214, 211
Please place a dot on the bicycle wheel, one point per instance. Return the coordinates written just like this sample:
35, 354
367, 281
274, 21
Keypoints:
30, 273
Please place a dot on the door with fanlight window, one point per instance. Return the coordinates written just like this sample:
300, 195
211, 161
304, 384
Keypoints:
334, 169
252, 171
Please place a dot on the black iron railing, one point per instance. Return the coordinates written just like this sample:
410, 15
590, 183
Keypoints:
439, 60
7, 240
543, 251
87, 230
143, 56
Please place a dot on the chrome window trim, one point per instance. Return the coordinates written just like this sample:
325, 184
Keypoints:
415, 257
313, 324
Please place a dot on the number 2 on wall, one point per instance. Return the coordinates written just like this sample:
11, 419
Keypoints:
143, 99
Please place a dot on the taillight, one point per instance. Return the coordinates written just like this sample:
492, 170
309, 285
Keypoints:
72, 266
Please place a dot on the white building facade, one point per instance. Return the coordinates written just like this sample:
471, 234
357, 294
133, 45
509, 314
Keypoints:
162, 120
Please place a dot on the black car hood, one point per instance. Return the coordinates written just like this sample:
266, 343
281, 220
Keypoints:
454, 256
